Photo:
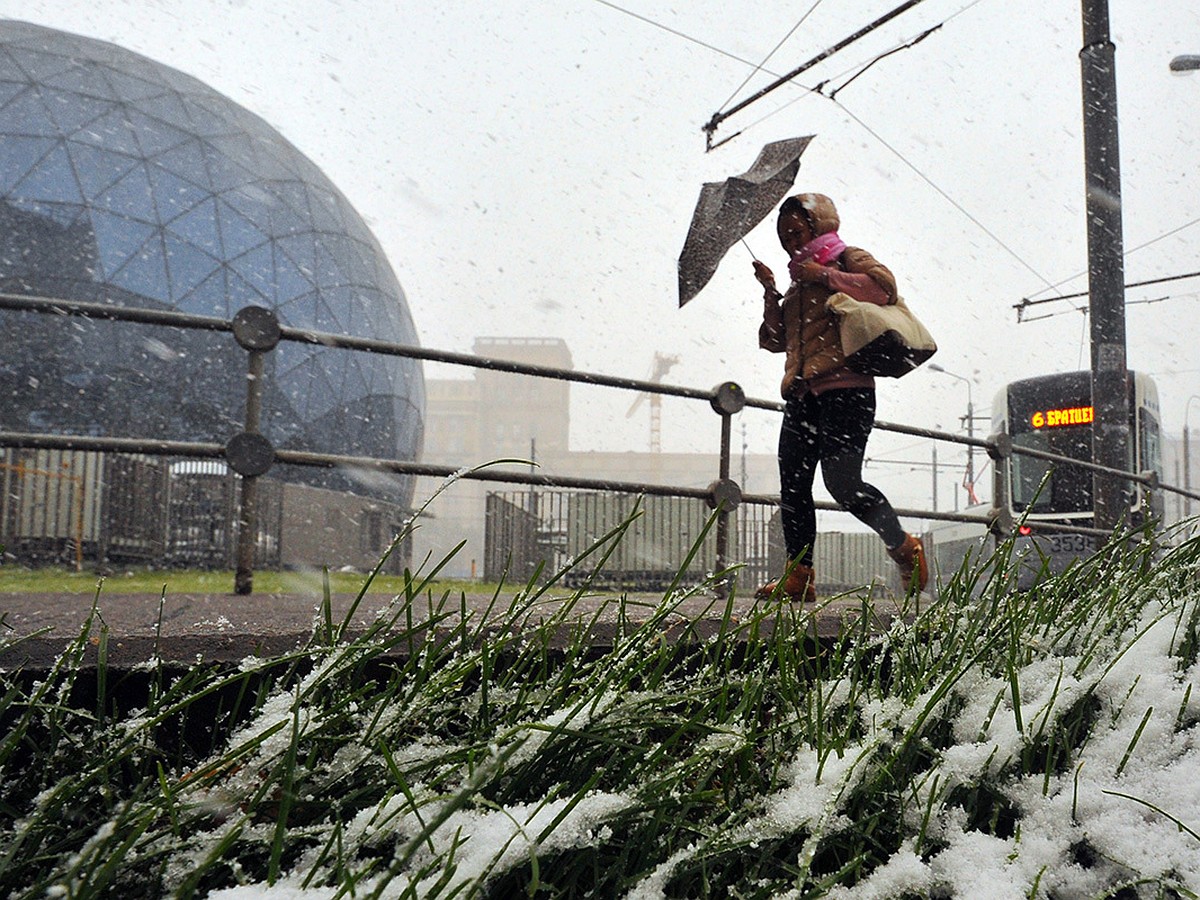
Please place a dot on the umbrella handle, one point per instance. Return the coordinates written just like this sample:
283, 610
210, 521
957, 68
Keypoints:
748, 250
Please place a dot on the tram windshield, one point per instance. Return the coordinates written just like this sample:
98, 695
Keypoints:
1068, 489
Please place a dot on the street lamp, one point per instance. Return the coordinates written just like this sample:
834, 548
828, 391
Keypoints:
1187, 456
970, 431
1187, 63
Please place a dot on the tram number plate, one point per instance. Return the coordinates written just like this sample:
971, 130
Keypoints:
1068, 543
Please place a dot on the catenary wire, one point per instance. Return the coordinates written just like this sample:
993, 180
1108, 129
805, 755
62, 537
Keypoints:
760, 67
679, 34
858, 120
717, 118
826, 54
1028, 301
857, 68
862, 67
929, 181
832, 96
1123, 256
1085, 310
908, 46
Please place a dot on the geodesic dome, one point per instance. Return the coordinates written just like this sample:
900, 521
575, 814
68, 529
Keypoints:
127, 182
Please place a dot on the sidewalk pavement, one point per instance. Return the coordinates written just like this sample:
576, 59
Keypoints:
196, 628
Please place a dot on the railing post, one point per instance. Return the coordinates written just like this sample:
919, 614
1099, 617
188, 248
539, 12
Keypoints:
725, 494
1000, 450
249, 453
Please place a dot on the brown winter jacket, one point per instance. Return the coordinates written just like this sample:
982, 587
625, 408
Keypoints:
801, 326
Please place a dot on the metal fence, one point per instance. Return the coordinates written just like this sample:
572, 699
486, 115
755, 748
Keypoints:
574, 530
663, 541
250, 455
65, 506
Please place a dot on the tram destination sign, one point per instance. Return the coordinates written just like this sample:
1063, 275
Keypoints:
1056, 418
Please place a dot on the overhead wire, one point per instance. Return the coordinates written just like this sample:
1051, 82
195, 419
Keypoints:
754, 67
720, 116
723, 114
760, 67
679, 34
924, 34
832, 96
862, 67
1027, 302
1030, 301
1163, 236
1126, 253
859, 70
929, 181
818, 88
1085, 310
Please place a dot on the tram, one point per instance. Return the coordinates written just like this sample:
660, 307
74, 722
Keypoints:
1055, 414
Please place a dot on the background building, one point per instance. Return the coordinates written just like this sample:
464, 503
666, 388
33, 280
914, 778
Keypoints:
499, 414
494, 415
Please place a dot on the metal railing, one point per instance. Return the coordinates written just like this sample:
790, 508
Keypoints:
250, 454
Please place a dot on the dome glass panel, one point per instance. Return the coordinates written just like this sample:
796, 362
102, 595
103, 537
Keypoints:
124, 181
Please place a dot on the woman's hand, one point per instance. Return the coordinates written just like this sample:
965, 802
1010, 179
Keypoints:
766, 278
809, 270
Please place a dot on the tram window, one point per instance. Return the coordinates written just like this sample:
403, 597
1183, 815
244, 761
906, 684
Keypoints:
1027, 471
1150, 443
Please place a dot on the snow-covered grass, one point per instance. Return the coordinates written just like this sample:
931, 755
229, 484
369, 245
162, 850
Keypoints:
992, 745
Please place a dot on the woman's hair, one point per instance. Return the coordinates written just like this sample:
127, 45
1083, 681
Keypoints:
816, 209
793, 206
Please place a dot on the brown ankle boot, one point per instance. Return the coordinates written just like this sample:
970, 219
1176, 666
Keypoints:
910, 557
798, 586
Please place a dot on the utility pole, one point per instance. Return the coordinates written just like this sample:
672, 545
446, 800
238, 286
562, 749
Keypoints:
1187, 454
1187, 470
935, 473
969, 483
1106, 270
971, 498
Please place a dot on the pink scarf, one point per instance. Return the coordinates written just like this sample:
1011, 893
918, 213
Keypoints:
824, 249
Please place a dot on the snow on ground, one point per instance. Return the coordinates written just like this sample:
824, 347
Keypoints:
1128, 804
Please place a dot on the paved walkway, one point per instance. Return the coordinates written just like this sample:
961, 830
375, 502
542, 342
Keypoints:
192, 628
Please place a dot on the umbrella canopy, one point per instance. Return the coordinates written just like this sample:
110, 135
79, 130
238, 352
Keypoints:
727, 210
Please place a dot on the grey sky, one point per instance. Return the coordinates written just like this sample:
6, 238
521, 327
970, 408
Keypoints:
531, 168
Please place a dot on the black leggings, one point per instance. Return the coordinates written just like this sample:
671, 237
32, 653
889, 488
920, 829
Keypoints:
831, 429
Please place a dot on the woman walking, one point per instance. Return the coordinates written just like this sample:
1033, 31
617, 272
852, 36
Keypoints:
830, 409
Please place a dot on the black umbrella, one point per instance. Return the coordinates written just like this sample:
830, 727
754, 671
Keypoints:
727, 210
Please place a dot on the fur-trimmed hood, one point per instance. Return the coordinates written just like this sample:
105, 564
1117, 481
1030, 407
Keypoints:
821, 212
